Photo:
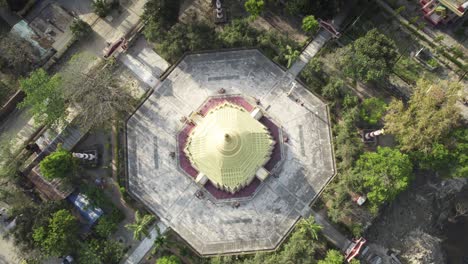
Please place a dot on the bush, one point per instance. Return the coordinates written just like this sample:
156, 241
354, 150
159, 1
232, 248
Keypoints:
168, 260
254, 7
372, 110
109, 223
310, 24
101, 7
80, 29
58, 164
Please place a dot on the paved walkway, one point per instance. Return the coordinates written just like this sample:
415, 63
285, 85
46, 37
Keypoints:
139, 253
316, 44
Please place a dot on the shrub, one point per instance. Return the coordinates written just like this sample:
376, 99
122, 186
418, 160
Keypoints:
310, 24
101, 7
254, 7
79, 28
372, 110
58, 164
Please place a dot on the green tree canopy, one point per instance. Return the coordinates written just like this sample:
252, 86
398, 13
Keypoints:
30, 217
104, 251
333, 257
141, 225
254, 7
430, 115
80, 29
159, 16
310, 24
372, 110
58, 164
369, 58
44, 97
168, 260
382, 175
59, 236
325, 8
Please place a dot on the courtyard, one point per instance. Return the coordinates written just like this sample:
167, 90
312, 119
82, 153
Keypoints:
224, 224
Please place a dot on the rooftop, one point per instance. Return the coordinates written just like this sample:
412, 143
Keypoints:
228, 145
299, 171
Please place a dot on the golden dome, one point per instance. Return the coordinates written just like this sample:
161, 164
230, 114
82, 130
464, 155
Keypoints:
228, 145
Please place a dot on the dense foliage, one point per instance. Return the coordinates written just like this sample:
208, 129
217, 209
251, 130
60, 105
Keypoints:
310, 24
372, 110
369, 58
44, 97
323, 8
301, 248
159, 16
430, 115
59, 236
333, 257
254, 7
382, 175
80, 29
101, 7
58, 164
168, 260
104, 251
30, 217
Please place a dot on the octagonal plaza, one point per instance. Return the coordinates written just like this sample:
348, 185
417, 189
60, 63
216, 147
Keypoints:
265, 219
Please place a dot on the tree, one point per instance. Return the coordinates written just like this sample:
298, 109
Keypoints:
80, 29
325, 8
369, 58
382, 175
333, 89
141, 225
44, 97
58, 164
9, 163
309, 225
429, 117
96, 251
17, 56
101, 7
333, 257
162, 242
169, 260
254, 7
291, 55
29, 217
372, 110
59, 237
238, 34
310, 24
159, 16
96, 92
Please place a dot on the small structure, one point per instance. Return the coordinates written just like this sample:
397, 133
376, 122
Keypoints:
220, 13
443, 11
369, 136
84, 207
354, 249
330, 28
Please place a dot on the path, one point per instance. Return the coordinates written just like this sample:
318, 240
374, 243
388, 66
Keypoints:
139, 253
316, 44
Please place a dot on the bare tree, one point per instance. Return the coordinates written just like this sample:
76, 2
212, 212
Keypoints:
94, 89
17, 56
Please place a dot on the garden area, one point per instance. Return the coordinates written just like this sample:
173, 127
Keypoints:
418, 135
257, 24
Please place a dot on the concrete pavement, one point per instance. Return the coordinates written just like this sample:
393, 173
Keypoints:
145, 246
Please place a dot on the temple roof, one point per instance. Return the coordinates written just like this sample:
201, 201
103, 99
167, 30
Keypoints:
228, 145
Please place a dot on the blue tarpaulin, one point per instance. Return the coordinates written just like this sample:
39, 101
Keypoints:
84, 207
